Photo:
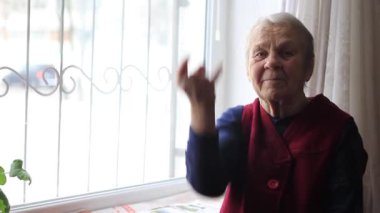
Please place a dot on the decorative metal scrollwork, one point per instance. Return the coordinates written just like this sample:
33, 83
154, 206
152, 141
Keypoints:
122, 79
130, 68
104, 91
23, 79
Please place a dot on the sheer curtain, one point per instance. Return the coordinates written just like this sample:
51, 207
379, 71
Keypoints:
347, 41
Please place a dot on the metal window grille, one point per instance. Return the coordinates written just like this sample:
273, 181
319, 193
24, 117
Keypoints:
87, 98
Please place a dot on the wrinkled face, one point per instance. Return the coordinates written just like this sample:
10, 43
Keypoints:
277, 65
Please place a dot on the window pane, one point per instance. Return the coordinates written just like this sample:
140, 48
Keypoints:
100, 110
191, 38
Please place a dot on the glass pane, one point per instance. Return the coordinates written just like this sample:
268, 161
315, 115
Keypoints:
191, 44
94, 109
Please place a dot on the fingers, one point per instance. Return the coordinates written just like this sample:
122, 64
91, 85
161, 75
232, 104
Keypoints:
216, 74
182, 73
200, 72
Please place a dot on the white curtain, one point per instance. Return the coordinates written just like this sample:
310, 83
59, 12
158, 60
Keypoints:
347, 44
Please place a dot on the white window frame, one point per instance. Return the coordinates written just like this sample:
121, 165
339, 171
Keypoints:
119, 196
109, 198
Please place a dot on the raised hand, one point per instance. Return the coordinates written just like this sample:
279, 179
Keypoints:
201, 93
197, 87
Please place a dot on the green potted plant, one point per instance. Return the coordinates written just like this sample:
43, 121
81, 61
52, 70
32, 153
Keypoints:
15, 171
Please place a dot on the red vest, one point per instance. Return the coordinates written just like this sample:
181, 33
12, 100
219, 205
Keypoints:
285, 173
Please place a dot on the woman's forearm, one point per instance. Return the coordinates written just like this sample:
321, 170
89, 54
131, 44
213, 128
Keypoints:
203, 119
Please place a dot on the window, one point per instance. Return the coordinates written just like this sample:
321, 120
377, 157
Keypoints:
88, 98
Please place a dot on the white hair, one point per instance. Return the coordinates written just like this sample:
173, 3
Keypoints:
288, 20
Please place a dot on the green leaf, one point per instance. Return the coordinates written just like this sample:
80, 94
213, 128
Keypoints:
16, 167
3, 178
24, 175
17, 170
4, 204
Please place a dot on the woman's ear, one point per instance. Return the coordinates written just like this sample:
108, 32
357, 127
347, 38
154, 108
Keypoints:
309, 69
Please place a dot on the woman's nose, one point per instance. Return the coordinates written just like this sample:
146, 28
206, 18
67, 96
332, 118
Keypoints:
273, 61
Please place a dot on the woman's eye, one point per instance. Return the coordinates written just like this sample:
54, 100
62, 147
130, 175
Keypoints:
259, 55
287, 54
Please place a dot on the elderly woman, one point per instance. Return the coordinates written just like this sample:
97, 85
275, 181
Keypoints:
284, 152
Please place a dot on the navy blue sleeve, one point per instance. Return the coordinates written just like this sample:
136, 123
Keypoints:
211, 159
349, 161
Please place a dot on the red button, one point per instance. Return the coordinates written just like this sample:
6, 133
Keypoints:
273, 183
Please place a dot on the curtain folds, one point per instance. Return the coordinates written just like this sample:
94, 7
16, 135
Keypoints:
347, 48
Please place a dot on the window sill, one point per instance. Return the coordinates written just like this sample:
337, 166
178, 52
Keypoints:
104, 199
